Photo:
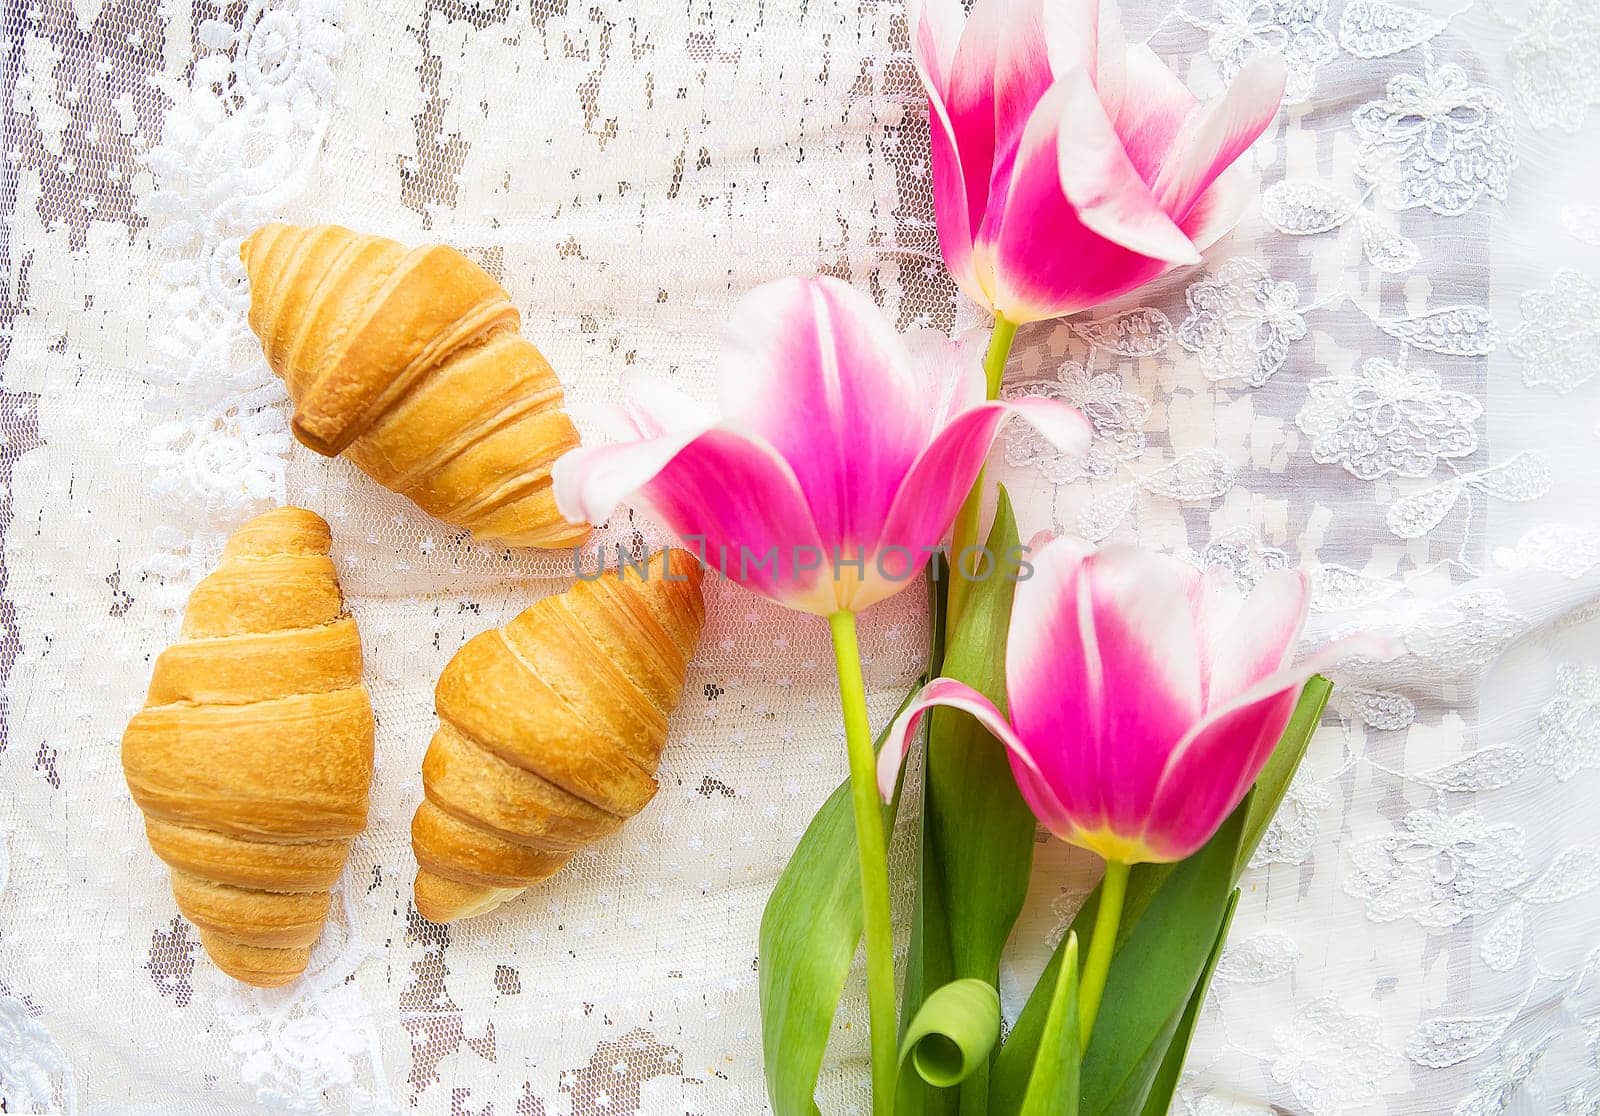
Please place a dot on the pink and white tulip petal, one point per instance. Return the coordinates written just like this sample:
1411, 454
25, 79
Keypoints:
1021, 72
1086, 35
1221, 132
1154, 109
1249, 638
689, 483
1211, 768
651, 425
1144, 697
819, 374
839, 464
936, 485
969, 102
1134, 182
1221, 763
951, 694
1141, 645
1053, 681
936, 27
1219, 208
1074, 190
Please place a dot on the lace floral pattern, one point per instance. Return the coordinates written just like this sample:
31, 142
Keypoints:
1552, 63
1437, 141
1569, 549
1208, 1105
298, 1053
1331, 1059
1457, 636
1378, 28
1117, 416
1241, 552
1197, 477
1290, 834
1388, 418
1524, 478
1439, 869
316, 1049
1449, 331
1241, 322
1296, 29
234, 463
283, 59
1495, 1086
34, 1073
229, 157
1300, 207
1582, 1101
1569, 725
1258, 959
1582, 222
1559, 334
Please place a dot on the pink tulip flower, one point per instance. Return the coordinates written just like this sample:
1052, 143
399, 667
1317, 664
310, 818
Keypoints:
838, 465
1144, 696
1069, 168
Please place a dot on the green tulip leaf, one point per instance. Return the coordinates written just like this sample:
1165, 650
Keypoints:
1159, 1102
983, 828
1154, 973
976, 852
809, 932
953, 1032
1054, 1083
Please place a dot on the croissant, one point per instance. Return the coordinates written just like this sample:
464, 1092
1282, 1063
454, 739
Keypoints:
550, 730
408, 361
253, 753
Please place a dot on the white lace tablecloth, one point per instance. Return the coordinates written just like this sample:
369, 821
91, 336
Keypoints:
1388, 373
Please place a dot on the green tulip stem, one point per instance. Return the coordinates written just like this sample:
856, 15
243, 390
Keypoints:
966, 526
994, 361
874, 856
1102, 943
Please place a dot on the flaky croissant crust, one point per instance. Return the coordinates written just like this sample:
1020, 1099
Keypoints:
408, 361
253, 754
550, 731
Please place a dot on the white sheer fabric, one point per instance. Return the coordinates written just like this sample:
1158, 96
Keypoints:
1386, 374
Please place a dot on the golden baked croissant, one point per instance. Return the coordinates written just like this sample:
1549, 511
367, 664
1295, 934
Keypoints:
550, 730
253, 753
408, 361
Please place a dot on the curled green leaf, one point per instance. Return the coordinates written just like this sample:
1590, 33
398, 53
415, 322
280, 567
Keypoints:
953, 1032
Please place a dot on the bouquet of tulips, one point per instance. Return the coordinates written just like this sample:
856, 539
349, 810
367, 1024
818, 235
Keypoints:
1123, 700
